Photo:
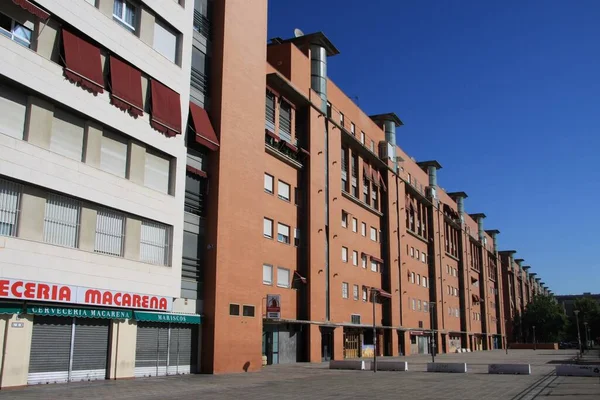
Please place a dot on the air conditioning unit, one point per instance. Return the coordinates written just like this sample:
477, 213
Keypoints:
386, 151
431, 192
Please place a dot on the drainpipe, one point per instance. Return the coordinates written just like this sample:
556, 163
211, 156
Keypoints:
465, 320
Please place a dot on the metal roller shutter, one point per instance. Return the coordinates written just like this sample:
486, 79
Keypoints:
180, 350
151, 349
90, 349
50, 350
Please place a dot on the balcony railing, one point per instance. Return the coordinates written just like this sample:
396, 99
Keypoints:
199, 81
201, 24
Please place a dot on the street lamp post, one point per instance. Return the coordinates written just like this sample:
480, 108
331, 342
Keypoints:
576, 312
374, 299
432, 311
587, 339
506, 336
534, 343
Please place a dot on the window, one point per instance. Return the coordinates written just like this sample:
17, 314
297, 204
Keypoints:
341, 119
165, 41
198, 77
12, 109
418, 305
425, 306
296, 237
156, 173
344, 219
61, 221
110, 232
124, 13
268, 228
268, 183
423, 257
345, 290
372, 146
283, 233
355, 292
283, 277
373, 234
364, 294
455, 291
113, 155
234, 309
374, 266
417, 254
352, 129
355, 258
414, 304
248, 311
419, 279
67, 135
364, 260
154, 243
344, 254
10, 198
412, 252
15, 31
283, 191
363, 229
270, 112
267, 274
412, 277
362, 137
354, 225
285, 122
424, 281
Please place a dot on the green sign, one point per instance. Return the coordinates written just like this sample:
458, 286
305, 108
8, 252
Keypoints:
79, 312
166, 317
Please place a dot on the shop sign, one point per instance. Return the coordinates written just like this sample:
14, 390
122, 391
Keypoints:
165, 317
273, 306
31, 290
79, 312
417, 333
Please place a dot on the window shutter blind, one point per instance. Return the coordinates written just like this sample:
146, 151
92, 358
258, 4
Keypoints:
9, 207
283, 230
12, 109
283, 277
157, 173
268, 227
165, 41
283, 190
67, 135
285, 122
113, 155
109, 233
61, 221
154, 243
269, 182
267, 274
270, 112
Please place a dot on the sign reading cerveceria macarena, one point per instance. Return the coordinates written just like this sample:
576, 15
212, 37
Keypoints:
30, 290
79, 312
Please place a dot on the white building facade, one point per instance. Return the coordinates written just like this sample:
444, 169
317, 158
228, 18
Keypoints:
94, 99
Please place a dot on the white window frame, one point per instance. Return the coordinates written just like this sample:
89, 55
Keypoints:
110, 232
412, 252
354, 224
352, 128
121, 18
355, 258
285, 270
364, 260
362, 137
344, 254
158, 247
355, 292
268, 267
14, 37
281, 186
417, 254
412, 277
345, 290
344, 219
363, 229
267, 221
423, 257
269, 187
424, 281
364, 294
374, 266
373, 234
282, 238
53, 223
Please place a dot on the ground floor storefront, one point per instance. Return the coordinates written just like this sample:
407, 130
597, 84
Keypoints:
359, 342
52, 343
283, 343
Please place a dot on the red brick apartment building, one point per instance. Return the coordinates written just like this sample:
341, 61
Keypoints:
147, 143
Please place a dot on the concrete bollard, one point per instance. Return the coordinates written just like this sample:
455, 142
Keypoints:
391, 366
347, 364
447, 367
514, 369
578, 370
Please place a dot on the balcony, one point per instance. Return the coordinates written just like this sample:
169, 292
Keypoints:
201, 24
199, 81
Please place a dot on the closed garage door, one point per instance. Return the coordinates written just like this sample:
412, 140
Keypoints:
180, 349
64, 349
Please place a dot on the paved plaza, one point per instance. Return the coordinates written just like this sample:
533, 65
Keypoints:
315, 381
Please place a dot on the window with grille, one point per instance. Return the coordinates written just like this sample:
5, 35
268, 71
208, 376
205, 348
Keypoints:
10, 199
345, 290
110, 228
154, 243
61, 221
285, 122
355, 319
270, 112
355, 292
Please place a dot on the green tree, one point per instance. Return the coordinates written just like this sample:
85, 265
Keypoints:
589, 311
548, 318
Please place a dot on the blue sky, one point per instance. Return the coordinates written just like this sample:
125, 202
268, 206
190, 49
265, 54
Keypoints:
504, 94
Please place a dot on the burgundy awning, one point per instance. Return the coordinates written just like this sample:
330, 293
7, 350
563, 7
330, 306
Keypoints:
300, 277
382, 293
126, 87
272, 135
83, 65
381, 181
366, 172
166, 110
32, 9
205, 134
304, 151
196, 171
377, 260
475, 298
291, 146
375, 176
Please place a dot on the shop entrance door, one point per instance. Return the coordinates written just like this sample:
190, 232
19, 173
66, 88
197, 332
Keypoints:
351, 345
